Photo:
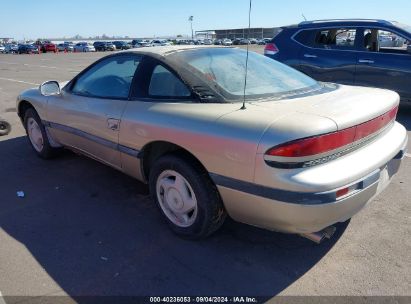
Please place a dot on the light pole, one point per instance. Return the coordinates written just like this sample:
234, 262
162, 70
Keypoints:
191, 18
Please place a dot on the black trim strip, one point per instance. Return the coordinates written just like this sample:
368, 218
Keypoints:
129, 151
274, 194
302, 198
93, 138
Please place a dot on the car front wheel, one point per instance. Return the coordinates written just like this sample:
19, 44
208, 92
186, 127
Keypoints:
37, 135
186, 197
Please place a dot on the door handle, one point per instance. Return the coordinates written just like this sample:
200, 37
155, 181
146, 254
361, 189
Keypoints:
310, 56
369, 61
113, 124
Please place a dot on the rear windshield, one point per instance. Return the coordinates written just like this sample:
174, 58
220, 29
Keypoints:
224, 69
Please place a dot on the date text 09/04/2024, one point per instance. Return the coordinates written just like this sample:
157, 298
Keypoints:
237, 299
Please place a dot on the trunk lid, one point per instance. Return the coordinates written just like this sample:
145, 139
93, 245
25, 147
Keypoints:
347, 106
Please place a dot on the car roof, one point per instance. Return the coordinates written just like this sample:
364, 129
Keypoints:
346, 22
166, 50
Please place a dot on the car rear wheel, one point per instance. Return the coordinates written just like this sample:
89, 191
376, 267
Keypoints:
37, 135
186, 197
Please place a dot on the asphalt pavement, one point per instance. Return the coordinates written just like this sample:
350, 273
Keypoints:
85, 229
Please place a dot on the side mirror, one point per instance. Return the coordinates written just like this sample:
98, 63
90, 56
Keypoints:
50, 88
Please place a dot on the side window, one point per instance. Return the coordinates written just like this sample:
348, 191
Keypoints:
305, 37
382, 41
111, 78
335, 38
163, 83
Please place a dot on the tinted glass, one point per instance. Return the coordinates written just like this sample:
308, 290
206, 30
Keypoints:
304, 37
383, 41
335, 38
165, 84
224, 69
110, 78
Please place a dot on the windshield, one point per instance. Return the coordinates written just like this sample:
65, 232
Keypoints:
403, 26
224, 70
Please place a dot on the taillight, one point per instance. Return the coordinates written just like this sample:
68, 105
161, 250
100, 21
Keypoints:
271, 49
326, 143
314, 145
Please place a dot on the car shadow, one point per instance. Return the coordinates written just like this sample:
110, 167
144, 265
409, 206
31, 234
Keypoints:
96, 232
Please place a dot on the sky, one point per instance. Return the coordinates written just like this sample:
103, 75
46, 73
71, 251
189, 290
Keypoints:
27, 19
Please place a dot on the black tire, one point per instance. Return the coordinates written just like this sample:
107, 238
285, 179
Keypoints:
47, 151
5, 128
210, 210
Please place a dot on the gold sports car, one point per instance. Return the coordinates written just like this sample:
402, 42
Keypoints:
299, 156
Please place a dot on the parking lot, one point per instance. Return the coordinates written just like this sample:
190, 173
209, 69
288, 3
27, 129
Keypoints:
85, 229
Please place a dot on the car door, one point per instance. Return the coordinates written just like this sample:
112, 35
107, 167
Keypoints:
156, 90
329, 54
87, 113
384, 61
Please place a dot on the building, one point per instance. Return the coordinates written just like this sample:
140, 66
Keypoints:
257, 33
5, 40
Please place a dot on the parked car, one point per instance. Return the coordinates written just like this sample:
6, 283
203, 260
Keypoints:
218, 42
121, 45
28, 49
182, 42
264, 41
356, 52
253, 41
11, 48
104, 46
2, 48
63, 47
84, 47
137, 43
244, 41
157, 42
227, 42
46, 46
207, 42
237, 41
297, 157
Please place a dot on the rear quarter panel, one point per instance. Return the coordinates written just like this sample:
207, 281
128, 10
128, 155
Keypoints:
221, 136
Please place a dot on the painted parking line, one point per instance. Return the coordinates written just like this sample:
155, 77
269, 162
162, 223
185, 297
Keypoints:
39, 66
19, 81
36, 66
407, 155
30, 65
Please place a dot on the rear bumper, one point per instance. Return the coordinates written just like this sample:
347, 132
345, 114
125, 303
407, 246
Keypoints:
306, 212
